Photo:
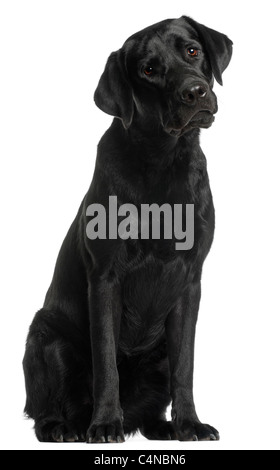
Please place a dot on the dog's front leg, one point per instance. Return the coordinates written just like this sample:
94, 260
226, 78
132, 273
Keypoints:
180, 331
105, 309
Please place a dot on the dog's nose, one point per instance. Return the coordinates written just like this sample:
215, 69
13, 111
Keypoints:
194, 93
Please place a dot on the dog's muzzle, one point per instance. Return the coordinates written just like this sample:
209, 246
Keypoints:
197, 105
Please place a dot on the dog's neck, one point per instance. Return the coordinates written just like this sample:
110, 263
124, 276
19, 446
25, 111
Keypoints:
153, 145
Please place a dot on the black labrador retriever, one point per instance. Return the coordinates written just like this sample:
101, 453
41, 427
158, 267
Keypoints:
113, 345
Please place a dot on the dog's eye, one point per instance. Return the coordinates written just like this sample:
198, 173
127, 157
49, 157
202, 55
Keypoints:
192, 51
148, 71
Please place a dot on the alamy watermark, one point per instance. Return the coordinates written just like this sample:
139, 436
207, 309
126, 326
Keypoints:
176, 221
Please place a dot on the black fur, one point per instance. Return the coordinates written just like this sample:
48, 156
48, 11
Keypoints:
113, 344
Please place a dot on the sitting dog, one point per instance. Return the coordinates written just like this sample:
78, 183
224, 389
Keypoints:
113, 345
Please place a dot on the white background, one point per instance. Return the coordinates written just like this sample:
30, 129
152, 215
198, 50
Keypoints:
52, 55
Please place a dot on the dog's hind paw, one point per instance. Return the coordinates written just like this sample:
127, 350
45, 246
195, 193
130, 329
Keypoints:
58, 432
159, 431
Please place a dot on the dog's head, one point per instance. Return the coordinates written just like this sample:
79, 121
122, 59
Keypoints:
165, 74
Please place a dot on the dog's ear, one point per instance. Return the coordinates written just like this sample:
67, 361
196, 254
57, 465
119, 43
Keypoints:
113, 94
217, 46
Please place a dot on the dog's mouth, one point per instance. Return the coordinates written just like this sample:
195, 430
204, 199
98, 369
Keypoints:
202, 119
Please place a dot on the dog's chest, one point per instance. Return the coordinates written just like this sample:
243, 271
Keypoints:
150, 291
157, 275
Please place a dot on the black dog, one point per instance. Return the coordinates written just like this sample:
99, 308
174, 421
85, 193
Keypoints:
114, 342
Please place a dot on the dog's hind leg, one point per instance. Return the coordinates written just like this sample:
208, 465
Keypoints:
144, 394
57, 374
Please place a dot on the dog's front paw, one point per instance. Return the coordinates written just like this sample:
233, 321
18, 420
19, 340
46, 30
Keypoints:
196, 431
106, 432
